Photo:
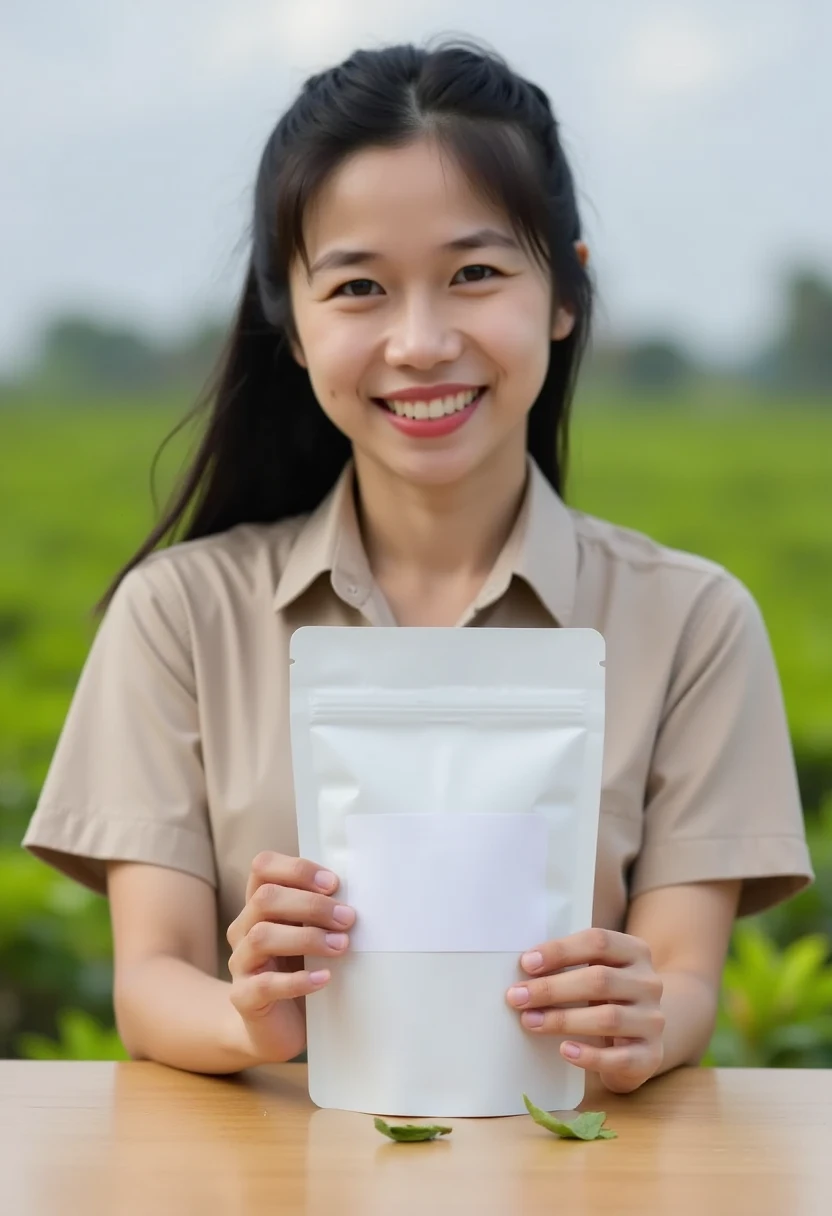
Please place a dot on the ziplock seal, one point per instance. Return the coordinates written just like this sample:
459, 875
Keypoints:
453, 705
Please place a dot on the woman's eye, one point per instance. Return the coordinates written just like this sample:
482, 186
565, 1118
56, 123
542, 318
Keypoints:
355, 284
485, 272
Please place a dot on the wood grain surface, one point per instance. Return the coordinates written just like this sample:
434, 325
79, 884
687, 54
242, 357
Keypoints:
139, 1139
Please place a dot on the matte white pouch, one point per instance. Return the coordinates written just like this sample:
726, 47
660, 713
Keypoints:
451, 778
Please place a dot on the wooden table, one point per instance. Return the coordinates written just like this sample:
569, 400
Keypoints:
139, 1139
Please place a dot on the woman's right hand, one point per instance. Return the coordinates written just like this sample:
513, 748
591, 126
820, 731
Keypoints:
290, 911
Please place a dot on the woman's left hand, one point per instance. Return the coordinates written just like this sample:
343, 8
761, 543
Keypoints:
614, 973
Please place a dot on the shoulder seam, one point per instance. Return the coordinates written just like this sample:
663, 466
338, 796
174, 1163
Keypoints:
663, 555
176, 612
699, 609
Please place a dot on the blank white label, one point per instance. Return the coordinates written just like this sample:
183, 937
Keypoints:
452, 882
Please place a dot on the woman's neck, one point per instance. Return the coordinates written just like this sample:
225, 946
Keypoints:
431, 548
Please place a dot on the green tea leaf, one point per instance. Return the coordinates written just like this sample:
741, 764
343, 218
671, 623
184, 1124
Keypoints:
586, 1126
411, 1132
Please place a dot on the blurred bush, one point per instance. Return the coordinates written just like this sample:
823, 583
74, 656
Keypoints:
80, 1037
776, 1008
55, 950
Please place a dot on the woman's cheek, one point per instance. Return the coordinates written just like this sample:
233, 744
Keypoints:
517, 328
520, 352
337, 364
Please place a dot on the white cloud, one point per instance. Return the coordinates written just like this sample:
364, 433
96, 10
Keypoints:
675, 54
709, 49
317, 32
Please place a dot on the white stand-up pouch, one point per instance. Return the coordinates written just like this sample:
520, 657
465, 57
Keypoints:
451, 778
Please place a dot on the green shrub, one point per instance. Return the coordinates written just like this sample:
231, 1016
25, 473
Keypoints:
776, 1005
55, 949
80, 1037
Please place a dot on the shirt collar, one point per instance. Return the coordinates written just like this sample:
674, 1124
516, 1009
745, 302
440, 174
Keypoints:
542, 550
546, 554
329, 542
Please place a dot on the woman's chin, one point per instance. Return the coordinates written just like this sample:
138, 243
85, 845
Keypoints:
433, 470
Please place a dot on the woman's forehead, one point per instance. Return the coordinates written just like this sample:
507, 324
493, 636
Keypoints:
399, 196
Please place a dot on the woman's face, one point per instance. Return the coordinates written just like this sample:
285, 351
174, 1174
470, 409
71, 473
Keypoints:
418, 287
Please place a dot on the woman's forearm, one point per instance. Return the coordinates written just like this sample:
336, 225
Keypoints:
689, 1004
169, 1011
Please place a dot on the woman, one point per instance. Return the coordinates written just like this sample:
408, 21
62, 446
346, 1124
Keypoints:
387, 445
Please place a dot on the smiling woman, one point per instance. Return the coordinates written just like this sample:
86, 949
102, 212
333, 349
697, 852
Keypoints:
373, 346
386, 445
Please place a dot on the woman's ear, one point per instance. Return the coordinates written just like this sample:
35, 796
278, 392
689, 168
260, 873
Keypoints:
563, 324
297, 352
564, 321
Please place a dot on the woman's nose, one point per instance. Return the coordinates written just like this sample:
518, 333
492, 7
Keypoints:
422, 337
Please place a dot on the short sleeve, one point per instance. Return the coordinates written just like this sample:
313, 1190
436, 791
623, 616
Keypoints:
126, 781
722, 799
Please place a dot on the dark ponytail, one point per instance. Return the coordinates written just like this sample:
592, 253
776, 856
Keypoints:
268, 451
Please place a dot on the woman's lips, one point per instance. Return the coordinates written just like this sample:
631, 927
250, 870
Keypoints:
432, 428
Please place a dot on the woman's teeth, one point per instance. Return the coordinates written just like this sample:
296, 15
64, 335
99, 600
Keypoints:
439, 407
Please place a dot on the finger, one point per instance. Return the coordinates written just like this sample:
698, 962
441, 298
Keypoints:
622, 1069
285, 871
291, 906
589, 946
254, 995
610, 1021
266, 941
597, 983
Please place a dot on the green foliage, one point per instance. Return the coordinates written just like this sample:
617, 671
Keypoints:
80, 1038
587, 1126
55, 949
752, 490
411, 1133
776, 1008
82, 358
803, 356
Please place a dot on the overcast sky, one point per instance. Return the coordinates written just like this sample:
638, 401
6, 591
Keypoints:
698, 130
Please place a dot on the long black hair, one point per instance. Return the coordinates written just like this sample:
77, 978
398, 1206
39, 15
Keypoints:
268, 451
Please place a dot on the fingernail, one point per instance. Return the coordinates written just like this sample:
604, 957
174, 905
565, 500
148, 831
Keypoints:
336, 941
343, 914
318, 977
533, 1018
325, 879
518, 996
532, 960
572, 1050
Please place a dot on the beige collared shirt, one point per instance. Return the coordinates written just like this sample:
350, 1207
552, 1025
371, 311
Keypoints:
176, 749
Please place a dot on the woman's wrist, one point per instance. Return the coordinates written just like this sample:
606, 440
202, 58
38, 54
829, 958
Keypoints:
689, 1004
263, 1042
236, 1041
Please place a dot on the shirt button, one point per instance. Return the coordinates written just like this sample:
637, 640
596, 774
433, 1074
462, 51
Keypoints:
352, 589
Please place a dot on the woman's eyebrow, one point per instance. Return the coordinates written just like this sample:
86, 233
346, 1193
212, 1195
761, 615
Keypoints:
482, 238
